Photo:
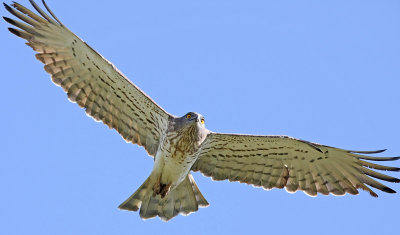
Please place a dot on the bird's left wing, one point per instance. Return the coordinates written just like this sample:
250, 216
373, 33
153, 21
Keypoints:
282, 161
89, 79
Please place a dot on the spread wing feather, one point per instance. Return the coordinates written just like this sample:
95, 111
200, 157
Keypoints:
89, 79
285, 162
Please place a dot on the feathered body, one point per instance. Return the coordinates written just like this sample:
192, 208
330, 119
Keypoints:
177, 152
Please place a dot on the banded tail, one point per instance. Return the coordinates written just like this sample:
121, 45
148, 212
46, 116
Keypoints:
184, 199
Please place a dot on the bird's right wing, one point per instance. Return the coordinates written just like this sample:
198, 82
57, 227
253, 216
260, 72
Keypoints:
89, 79
282, 161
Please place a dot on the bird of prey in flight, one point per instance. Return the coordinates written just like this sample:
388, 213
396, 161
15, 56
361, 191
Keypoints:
180, 145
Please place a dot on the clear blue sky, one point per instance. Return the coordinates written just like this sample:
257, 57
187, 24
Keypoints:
323, 71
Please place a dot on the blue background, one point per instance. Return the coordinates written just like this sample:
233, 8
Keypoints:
323, 71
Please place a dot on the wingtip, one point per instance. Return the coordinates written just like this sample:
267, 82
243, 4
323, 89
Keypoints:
15, 4
379, 151
388, 190
8, 8
395, 180
14, 31
369, 152
373, 194
393, 158
8, 20
359, 156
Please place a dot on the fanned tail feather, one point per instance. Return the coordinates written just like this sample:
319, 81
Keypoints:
184, 199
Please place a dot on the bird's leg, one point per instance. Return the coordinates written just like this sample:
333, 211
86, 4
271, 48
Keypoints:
160, 188
157, 187
165, 189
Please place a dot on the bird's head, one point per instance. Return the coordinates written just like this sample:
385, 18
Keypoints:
192, 123
192, 118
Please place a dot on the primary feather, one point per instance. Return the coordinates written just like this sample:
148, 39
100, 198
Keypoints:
89, 79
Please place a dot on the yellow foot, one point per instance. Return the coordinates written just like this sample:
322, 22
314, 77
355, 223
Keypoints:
165, 189
161, 189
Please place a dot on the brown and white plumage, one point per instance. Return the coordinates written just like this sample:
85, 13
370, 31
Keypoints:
182, 144
285, 162
89, 79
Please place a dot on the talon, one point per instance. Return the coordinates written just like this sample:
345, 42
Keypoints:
165, 189
161, 189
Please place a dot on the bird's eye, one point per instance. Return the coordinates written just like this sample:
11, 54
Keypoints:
188, 116
202, 121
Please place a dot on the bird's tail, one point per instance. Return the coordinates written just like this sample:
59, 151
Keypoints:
184, 199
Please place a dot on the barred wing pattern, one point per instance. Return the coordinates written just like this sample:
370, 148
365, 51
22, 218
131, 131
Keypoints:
282, 161
89, 79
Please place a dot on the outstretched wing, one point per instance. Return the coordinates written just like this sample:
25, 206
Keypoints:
281, 161
89, 79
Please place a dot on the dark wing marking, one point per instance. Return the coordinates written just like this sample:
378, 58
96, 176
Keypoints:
89, 79
282, 161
